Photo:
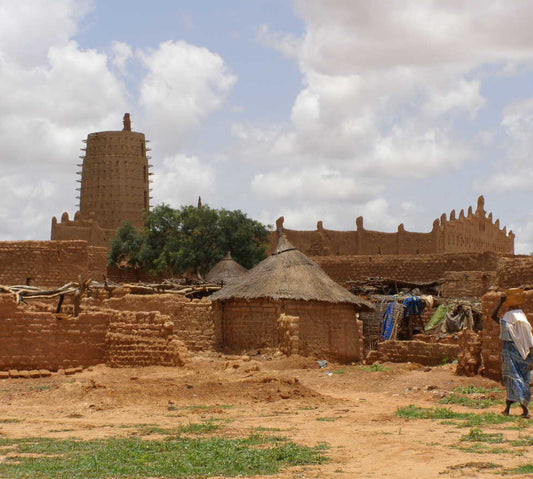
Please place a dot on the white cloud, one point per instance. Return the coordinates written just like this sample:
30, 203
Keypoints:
515, 171
181, 180
122, 53
28, 28
183, 85
320, 184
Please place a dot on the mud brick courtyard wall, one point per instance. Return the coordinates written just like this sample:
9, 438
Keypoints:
467, 284
325, 330
138, 338
421, 352
427, 267
33, 339
49, 263
515, 271
39, 340
490, 335
192, 321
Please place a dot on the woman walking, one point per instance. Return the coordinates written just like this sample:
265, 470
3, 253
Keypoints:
515, 333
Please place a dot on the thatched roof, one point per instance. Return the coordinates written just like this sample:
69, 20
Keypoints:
226, 270
289, 274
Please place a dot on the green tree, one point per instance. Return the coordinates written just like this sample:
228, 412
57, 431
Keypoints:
192, 240
126, 247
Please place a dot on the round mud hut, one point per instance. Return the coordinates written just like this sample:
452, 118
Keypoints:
288, 302
225, 271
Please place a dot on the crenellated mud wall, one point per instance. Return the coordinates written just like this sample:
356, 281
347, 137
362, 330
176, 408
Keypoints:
468, 232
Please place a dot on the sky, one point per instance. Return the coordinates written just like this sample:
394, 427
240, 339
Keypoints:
394, 110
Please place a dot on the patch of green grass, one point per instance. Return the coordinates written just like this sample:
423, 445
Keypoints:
9, 420
204, 407
373, 368
471, 389
524, 469
468, 419
484, 449
475, 403
42, 388
199, 428
326, 419
523, 441
415, 412
266, 429
477, 435
339, 371
148, 430
136, 458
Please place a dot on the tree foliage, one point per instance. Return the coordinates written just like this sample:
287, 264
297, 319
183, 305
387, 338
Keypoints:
189, 239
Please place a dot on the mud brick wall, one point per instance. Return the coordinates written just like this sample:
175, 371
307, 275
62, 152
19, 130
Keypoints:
245, 325
143, 339
132, 275
192, 320
38, 340
427, 267
491, 344
467, 284
325, 330
97, 262
42, 263
429, 354
469, 359
328, 330
514, 271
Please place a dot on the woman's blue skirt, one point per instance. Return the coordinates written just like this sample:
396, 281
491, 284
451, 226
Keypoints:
516, 373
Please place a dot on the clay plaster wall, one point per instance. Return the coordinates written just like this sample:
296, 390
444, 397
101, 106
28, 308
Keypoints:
325, 330
82, 227
47, 263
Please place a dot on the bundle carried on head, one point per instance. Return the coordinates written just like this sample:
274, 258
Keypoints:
514, 296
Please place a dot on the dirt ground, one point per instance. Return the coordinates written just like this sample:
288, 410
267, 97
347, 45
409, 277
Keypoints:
349, 408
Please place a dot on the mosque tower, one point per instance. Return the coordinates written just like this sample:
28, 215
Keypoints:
114, 186
114, 177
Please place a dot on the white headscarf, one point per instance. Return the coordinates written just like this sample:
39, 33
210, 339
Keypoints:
520, 330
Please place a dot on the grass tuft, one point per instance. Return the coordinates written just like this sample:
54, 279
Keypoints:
373, 368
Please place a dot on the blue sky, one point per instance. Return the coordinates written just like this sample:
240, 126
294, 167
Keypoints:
395, 110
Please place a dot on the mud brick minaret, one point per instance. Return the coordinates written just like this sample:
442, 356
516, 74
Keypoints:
114, 186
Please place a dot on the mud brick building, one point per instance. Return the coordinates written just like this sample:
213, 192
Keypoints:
114, 187
288, 302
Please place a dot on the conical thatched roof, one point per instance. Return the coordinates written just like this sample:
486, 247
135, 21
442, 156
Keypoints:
289, 274
226, 270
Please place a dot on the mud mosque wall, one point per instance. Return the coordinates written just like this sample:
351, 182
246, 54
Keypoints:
469, 232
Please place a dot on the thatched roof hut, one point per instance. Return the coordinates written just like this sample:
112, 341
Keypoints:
289, 274
288, 302
225, 271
